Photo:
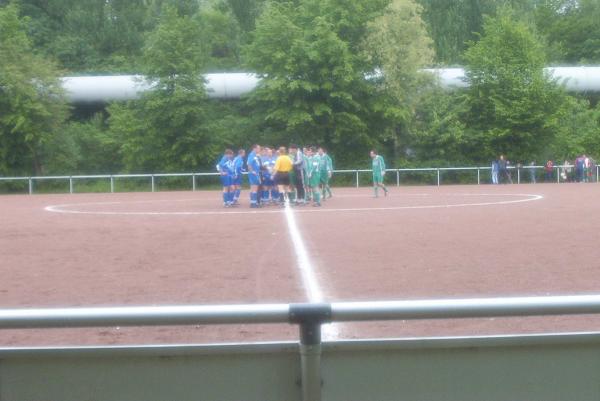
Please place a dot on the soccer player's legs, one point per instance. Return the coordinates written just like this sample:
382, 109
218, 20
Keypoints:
254, 180
314, 181
237, 189
266, 187
283, 184
227, 193
293, 179
377, 181
325, 184
299, 184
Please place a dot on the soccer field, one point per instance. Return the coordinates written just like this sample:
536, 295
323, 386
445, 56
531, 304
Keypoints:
183, 248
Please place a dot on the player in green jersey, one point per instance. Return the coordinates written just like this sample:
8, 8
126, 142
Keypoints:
378, 173
314, 176
326, 170
306, 153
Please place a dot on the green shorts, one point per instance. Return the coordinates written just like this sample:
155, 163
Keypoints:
377, 178
324, 178
314, 180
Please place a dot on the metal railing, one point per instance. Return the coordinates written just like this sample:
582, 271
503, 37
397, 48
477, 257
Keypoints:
436, 171
309, 317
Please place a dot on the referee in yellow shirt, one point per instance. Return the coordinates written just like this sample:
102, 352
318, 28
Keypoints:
281, 174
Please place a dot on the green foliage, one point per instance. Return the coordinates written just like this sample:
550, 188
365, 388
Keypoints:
400, 47
32, 108
314, 56
168, 128
579, 131
94, 149
512, 105
572, 29
437, 134
453, 24
313, 88
221, 32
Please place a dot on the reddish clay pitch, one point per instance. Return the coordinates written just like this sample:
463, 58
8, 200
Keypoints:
177, 248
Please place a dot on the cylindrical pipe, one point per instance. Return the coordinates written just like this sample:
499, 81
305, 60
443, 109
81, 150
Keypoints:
234, 85
143, 316
310, 360
356, 178
465, 308
280, 313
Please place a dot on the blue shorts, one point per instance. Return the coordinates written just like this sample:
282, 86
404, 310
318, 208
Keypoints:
268, 181
254, 179
226, 180
237, 180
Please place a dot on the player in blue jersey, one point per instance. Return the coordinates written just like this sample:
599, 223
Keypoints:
225, 169
267, 171
269, 164
238, 170
254, 164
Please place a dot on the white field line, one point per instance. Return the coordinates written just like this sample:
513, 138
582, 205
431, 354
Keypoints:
64, 208
307, 271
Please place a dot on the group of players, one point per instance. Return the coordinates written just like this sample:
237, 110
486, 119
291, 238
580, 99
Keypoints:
276, 176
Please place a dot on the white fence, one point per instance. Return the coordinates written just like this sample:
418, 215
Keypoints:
511, 367
480, 175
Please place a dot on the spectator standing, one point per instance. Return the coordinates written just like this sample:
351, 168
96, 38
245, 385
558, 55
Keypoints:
495, 172
502, 169
532, 171
579, 168
548, 168
586, 168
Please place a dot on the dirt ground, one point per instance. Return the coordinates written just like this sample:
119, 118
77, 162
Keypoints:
181, 248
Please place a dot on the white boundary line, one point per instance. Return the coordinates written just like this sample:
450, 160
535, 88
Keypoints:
63, 207
307, 271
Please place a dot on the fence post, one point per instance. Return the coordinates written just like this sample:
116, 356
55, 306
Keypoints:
356, 178
112, 184
397, 177
193, 182
518, 175
438, 177
557, 175
597, 171
310, 317
70, 185
152, 182
30, 186
478, 176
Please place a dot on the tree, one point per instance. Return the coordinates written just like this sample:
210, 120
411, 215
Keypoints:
572, 30
512, 103
399, 47
579, 131
168, 128
453, 24
222, 33
313, 88
32, 105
